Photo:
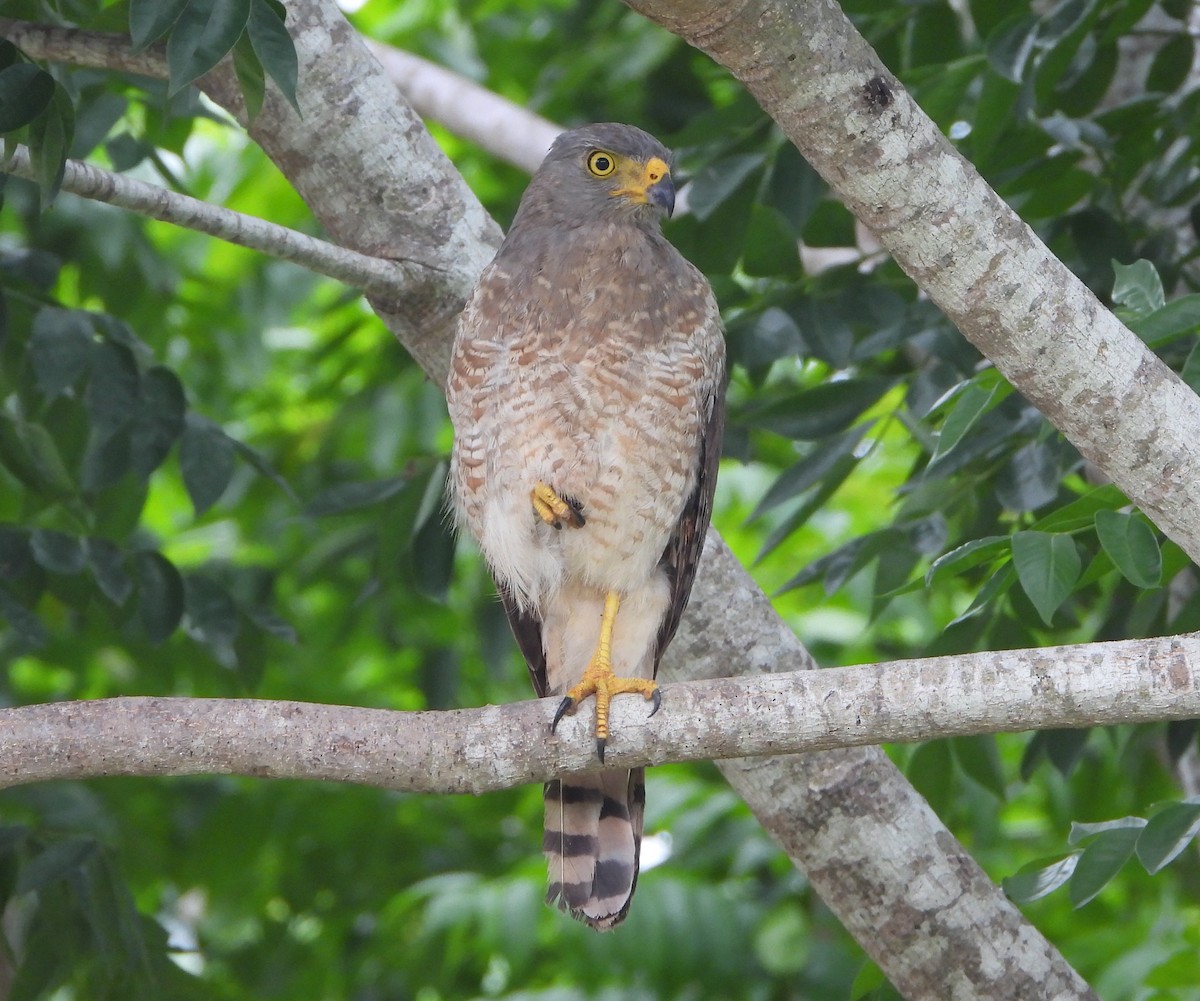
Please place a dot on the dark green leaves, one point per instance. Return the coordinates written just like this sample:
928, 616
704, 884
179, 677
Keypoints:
1132, 546
206, 460
25, 93
34, 109
1047, 567
204, 32
200, 33
160, 595
1155, 842
814, 413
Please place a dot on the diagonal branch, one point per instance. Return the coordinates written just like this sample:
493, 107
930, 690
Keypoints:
357, 270
480, 750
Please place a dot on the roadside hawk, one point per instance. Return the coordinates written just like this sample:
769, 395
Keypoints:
587, 396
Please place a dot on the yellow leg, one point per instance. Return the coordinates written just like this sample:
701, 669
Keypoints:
598, 679
553, 509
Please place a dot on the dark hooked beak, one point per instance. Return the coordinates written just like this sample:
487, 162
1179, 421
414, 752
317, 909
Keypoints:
662, 194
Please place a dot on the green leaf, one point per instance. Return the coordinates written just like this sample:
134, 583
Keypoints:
344, 497
758, 339
972, 403
771, 247
60, 349
931, 772
57, 551
1167, 834
1047, 567
965, 557
1172, 64
29, 452
716, 182
25, 92
1190, 373
811, 469
159, 420
250, 76
206, 460
274, 47
1064, 748
58, 861
107, 564
997, 584
1036, 880
979, 758
1081, 832
111, 397
149, 20
203, 35
49, 142
105, 460
212, 617
816, 413
1132, 545
1011, 45
1029, 479
1081, 512
1176, 319
1102, 860
160, 595
1138, 287
868, 979
24, 622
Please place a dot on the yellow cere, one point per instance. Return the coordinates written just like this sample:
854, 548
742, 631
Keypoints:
639, 177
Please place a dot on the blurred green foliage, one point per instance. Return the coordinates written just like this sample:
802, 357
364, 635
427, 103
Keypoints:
220, 476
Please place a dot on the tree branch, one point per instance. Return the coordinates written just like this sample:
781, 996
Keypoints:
816, 76
357, 270
480, 750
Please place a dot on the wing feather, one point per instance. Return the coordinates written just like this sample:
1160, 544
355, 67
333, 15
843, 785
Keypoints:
682, 555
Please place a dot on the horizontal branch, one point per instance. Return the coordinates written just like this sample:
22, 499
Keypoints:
477, 750
371, 274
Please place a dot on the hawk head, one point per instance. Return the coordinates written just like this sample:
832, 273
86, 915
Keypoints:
600, 172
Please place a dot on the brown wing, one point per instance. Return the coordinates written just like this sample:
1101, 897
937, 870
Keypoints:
527, 631
682, 554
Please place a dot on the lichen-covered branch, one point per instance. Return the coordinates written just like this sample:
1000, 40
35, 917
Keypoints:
478, 750
368, 273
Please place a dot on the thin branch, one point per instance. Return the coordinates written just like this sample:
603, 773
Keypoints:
93, 49
493, 123
371, 274
479, 750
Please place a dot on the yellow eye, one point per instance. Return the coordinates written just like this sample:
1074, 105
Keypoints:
600, 163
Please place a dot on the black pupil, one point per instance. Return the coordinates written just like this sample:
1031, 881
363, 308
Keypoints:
602, 164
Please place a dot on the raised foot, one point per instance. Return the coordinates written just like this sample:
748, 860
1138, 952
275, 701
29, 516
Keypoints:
555, 510
599, 680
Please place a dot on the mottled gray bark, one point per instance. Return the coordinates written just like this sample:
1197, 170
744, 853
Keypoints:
479, 750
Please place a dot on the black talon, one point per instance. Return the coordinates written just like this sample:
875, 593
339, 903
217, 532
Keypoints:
600, 742
576, 506
657, 702
563, 707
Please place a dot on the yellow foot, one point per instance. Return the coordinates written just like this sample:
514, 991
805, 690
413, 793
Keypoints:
555, 510
598, 680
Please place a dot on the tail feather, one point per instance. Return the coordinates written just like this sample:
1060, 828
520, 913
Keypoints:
592, 843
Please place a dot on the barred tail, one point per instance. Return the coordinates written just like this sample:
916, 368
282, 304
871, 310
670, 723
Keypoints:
592, 842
